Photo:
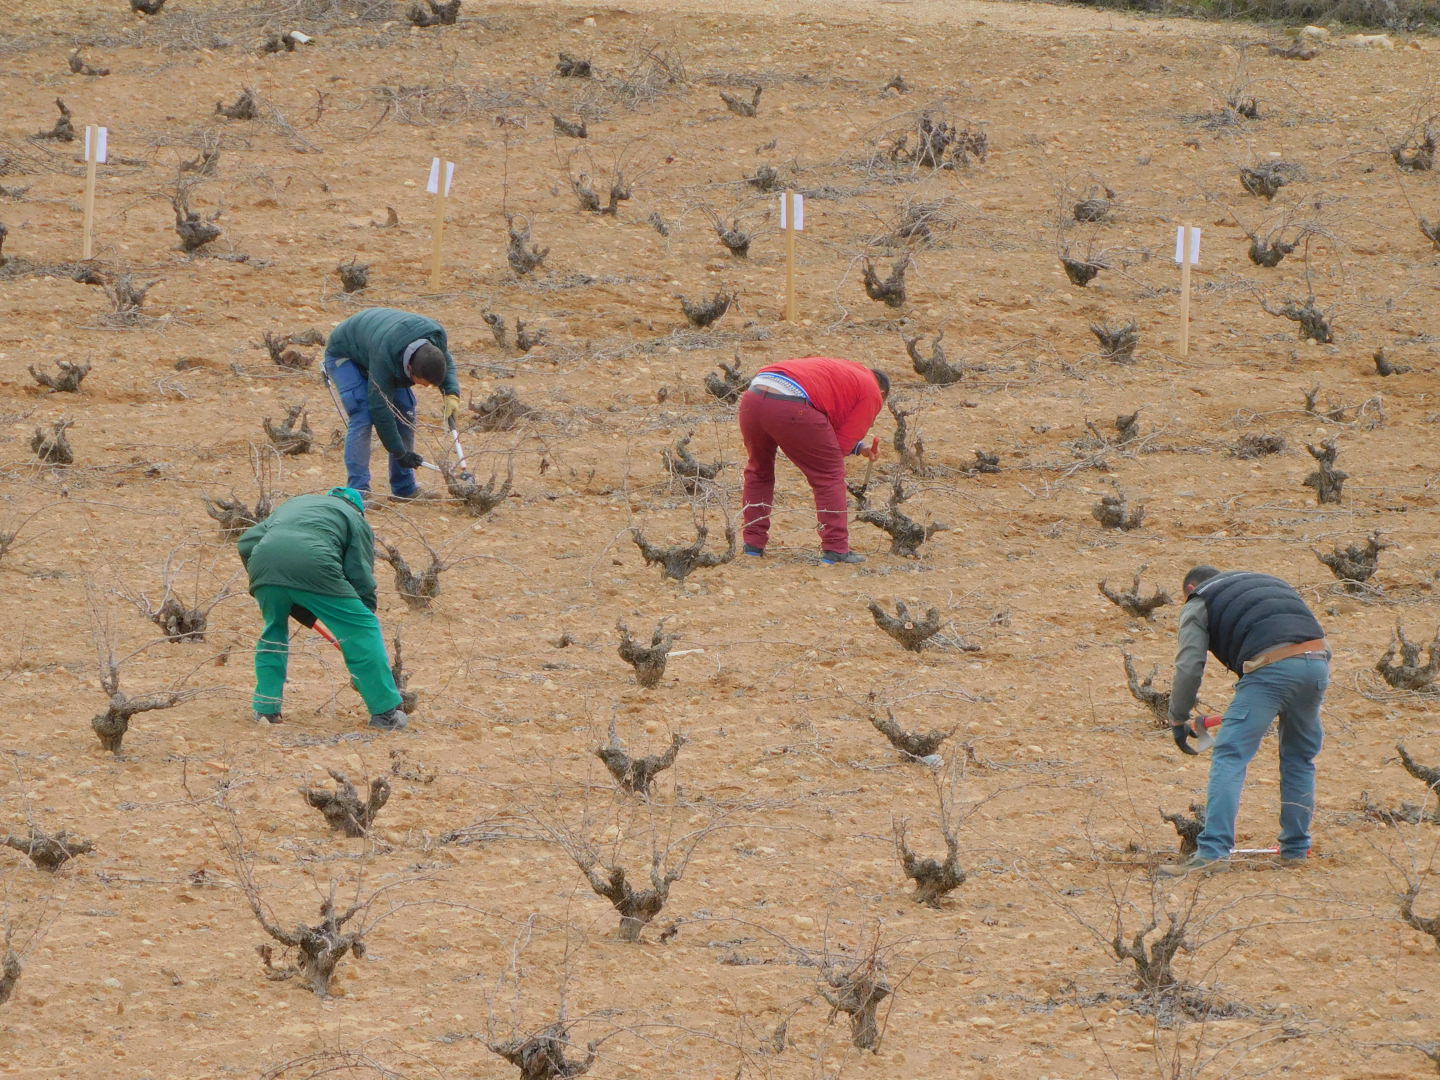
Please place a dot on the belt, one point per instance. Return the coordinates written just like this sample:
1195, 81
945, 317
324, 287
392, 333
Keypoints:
1314, 647
778, 397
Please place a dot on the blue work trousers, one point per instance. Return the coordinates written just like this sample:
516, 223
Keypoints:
353, 386
1293, 690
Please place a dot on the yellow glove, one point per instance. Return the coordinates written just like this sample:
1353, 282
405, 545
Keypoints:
452, 407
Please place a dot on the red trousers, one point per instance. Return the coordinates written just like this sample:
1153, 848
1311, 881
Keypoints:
805, 435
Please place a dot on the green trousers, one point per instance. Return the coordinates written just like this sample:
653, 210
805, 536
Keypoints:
354, 626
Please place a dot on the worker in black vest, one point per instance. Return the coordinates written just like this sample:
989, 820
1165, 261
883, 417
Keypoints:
1261, 629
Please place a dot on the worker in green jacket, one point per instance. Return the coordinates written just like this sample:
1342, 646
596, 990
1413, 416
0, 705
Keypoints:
314, 558
373, 359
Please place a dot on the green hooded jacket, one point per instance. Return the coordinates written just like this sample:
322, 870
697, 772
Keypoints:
318, 543
375, 339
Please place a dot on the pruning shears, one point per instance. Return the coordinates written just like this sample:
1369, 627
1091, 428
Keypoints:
305, 617
459, 450
870, 467
1200, 728
321, 629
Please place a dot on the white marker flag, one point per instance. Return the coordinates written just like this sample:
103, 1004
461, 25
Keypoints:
98, 142
434, 186
799, 212
1194, 254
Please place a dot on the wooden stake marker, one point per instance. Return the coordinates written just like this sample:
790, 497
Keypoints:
96, 153
441, 191
790, 224
1187, 254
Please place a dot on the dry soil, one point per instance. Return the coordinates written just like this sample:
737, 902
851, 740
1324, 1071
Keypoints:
139, 959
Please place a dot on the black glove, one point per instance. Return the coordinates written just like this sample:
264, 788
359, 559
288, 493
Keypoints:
409, 460
304, 616
1182, 734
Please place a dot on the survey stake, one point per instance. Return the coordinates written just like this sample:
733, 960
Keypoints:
1187, 254
442, 174
96, 152
792, 220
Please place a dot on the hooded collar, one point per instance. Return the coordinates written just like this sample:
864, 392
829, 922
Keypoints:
350, 495
409, 353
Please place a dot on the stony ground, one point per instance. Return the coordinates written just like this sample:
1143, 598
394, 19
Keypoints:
777, 820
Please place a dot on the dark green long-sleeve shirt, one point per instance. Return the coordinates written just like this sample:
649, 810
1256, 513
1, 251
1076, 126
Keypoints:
376, 339
318, 543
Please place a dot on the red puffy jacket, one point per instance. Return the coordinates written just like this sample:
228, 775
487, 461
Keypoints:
846, 392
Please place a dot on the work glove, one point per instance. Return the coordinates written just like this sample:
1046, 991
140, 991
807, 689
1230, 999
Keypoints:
304, 616
409, 460
451, 407
1182, 733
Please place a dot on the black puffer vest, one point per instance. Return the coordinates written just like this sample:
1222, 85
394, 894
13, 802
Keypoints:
1252, 613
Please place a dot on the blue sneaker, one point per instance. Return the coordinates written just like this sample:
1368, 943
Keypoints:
751, 549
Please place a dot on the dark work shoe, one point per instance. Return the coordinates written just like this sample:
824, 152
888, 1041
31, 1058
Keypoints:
390, 720
1195, 864
268, 718
1291, 862
751, 549
420, 494
830, 558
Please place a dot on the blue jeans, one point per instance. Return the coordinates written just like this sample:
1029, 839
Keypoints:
1293, 690
353, 386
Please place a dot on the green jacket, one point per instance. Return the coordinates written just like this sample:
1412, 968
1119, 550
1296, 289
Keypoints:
375, 339
318, 543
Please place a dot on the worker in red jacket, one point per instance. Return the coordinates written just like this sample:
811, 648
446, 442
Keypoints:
816, 409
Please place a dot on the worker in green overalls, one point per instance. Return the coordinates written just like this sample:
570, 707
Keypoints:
313, 558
